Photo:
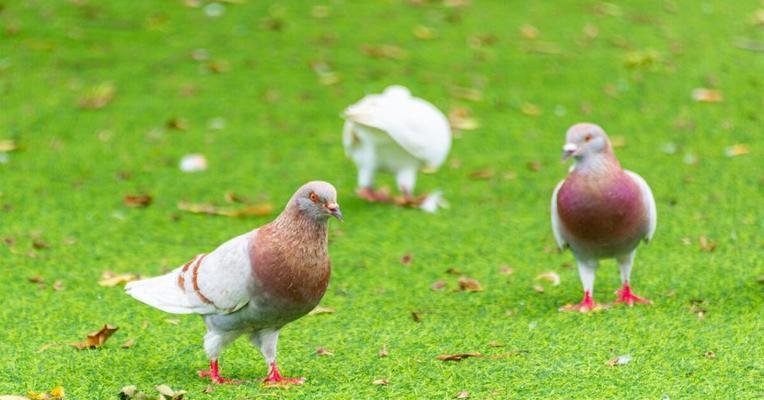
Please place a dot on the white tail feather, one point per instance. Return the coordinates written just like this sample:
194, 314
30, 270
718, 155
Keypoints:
161, 292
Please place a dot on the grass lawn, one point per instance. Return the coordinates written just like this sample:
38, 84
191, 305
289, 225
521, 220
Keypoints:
631, 68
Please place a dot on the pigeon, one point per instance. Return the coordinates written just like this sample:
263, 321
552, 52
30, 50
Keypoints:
254, 283
601, 211
397, 133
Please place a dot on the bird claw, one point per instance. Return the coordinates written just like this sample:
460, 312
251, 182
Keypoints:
586, 305
625, 295
215, 378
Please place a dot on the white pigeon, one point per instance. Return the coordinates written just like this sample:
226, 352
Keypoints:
256, 283
397, 133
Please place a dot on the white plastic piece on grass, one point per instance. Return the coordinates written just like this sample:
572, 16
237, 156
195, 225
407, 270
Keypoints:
193, 163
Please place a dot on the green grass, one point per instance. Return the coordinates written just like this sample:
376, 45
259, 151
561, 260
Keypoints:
64, 184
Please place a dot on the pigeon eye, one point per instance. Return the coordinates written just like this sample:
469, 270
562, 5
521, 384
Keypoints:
313, 197
588, 138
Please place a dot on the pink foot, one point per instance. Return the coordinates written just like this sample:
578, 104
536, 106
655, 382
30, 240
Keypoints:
586, 305
625, 295
214, 375
275, 378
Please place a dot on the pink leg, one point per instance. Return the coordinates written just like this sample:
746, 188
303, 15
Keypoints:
275, 378
214, 375
625, 295
586, 305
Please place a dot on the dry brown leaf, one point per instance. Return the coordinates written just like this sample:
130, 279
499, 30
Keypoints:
706, 244
384, 51
111, 279
620, 360
531, 109
324, 352
695, 308
322, 310
470, 94
383, 351
96, 339
506, 270
406, 259
170, 394
538, 288
416, 316
380, 382
178, 123
36, 279
137, 201
709, 354
486, 173
57, 393
463, 395
469, 285
461, 118
736, 150
457, 357
454, 271
707, 95
98, 96
528, 31
219, 66
550, 276
439, 285
258, 210
58, 285
7, 145
40, 245
128, 344
422, 32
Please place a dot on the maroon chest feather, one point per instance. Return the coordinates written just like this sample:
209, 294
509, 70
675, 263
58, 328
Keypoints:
603, 209
292, 269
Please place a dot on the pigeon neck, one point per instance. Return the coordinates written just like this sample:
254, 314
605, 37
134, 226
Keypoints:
294, 228
599, 163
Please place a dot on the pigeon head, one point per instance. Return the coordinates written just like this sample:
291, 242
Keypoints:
584, 140
317, 200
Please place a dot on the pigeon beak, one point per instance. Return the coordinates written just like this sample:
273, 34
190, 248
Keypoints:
568, 151
334, 210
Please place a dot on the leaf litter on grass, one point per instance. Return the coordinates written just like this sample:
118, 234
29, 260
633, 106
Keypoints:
96, 339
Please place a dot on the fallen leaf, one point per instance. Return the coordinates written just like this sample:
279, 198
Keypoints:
111, 279
137, 201
457, 357
324, 352
709, 354
384, 51
461, 118
219, 66
380, 382
422, 32
208, 389
416, 316
528, 31
506, 270
463, 395
406, 259
321, 310
538, 288
98, 96
57, 393
707, 95
7, 145
178, 123
96, 339
695, 308
531, 109
454, 271
467, 93
169, 394
128, 344
383, 351
550, 276
706, 244
193, 163
736, 150
620, 360
486, 173
482, 40
36, 279
469, 285
258, 210
172, 321
439, 285
231, 197
132, 393
58, 285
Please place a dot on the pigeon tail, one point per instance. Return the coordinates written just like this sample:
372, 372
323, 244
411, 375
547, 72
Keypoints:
161, 292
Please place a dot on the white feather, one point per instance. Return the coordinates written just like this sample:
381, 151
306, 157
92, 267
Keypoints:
649, 202
223, 277
396, 132
556, 223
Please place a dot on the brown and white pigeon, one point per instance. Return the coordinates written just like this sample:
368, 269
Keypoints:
254, 283
601, 211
